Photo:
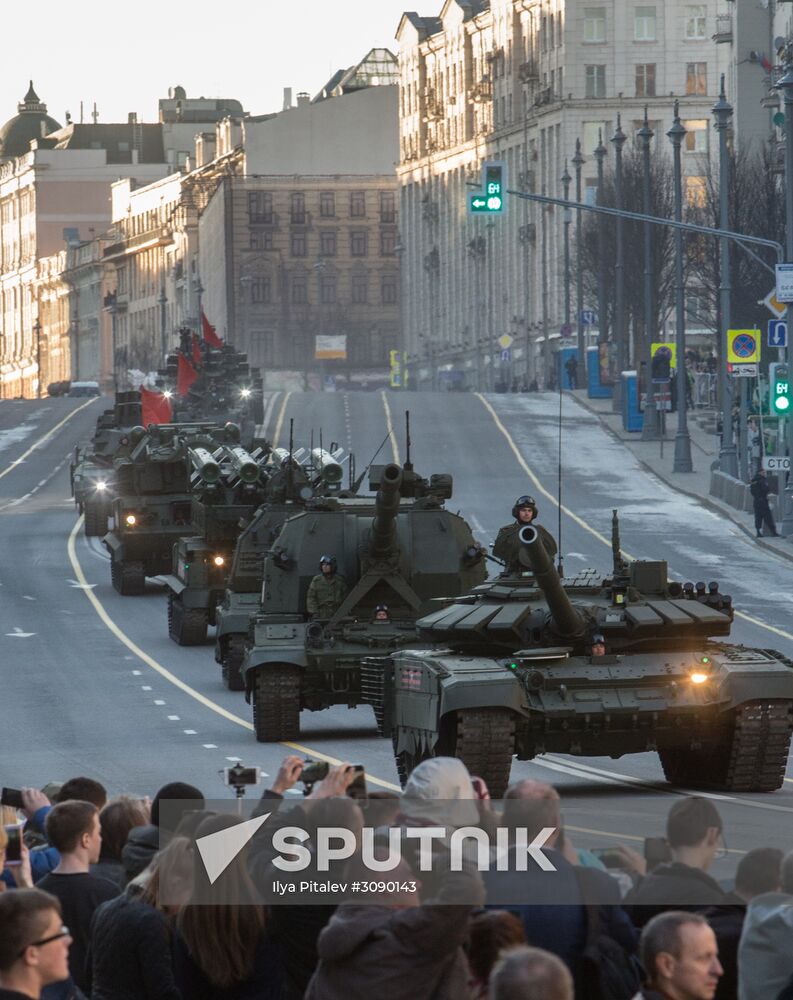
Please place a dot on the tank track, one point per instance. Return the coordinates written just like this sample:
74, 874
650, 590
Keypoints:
95, 520
128, 578
231, 663
484, 740
751, 756
276, 703
186, 626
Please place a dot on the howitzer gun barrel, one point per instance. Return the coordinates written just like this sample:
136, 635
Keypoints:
204, 464
244, 465
567, 621
382, 535
329, 469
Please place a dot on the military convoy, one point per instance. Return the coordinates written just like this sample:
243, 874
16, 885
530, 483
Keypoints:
400, 549
508, 670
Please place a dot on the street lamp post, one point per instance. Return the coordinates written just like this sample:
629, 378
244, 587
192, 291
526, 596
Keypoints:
600, 155
578, 163
682, 461
618, 139
566, 220
37, 331
786, 86
650, 424
163, 302
722, 112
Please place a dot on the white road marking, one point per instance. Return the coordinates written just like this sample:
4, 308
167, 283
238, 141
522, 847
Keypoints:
80, 586
210, 746
189, 732
19, 634
173, 718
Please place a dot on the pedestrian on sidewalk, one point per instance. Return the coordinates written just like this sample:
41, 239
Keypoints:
762, 511
571, 366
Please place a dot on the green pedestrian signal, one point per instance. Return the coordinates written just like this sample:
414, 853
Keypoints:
489, 201
779, 382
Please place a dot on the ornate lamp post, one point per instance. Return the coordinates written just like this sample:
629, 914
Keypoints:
566, 219
578, 163
682, 461
650, 425
786, 86
618, 140
600, 155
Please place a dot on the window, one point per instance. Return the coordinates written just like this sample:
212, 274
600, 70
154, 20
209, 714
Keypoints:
360, 289
595, 81
645, 80
387, 206
594, 24
696, 192
696, 307
358, 204
327, 243
389, 290
327, 289
327, 204
388, 242
261, 239
697, 78
298, 244
644, 24
590, 191
260, 207
695, 21
299, 289
260, 289
297, 211
592, 134
696, 136
359, 242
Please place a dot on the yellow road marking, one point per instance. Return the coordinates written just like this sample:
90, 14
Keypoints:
42, 439
390, 427
172, 678
280, 422
587, 527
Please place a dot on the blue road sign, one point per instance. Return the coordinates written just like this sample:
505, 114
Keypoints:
589, 317
777, 333
506, 354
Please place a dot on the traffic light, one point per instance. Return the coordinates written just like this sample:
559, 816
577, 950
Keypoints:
661, 365
491, 200
779, 388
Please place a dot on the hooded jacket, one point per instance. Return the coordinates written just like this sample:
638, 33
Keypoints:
142, 844
765, 957
673, 886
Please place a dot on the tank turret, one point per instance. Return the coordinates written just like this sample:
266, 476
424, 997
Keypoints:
383, 534
565, 621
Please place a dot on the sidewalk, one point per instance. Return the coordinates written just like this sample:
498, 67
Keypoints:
696, 484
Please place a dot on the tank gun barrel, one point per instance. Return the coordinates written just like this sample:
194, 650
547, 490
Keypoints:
244, 465
567, 620
204, 464
326, 465
382, 535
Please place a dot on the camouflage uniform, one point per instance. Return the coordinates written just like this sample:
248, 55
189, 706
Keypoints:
507, 546
325, 596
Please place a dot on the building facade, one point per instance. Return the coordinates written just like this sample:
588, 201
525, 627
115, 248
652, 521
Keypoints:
520, 81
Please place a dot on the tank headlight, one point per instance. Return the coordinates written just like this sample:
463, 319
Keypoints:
698, 677
218, 560
131, 520
101, 486
167, 394
245, 393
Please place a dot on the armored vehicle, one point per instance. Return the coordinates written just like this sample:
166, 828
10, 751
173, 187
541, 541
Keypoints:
91, 469
235, 483
290, 484
398, 550
167, 466
507, 670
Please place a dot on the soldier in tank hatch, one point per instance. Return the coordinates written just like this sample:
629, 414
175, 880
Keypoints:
507, 545
327, 590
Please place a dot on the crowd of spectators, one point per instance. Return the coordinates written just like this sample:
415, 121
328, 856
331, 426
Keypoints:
85, 912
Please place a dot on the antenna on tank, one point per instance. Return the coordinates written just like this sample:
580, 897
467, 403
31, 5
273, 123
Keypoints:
620, 566
290, 475
408, 464
559, 565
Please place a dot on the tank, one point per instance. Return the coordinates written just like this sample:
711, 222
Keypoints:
91, 470
508, 671
400, 548
234, 484
168, 467
290, 484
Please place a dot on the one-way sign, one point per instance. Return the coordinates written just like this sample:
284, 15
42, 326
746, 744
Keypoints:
777, 333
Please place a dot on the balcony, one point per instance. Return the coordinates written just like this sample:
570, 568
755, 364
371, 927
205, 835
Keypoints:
723, 28
160, 237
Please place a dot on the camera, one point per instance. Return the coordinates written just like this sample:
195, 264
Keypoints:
316, 770
11, 797
239, 777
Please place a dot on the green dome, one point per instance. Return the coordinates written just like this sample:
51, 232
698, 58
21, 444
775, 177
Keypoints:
16, 134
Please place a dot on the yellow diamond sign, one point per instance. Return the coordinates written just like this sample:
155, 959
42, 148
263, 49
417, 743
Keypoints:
505, 341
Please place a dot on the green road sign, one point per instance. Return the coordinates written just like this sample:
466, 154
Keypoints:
779, 381
489, 201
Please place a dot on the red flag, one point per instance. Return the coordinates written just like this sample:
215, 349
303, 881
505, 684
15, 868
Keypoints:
155, 407
196, 352
185, 376
210, 337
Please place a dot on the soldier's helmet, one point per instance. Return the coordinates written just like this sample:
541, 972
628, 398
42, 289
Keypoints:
524, 501
328, 561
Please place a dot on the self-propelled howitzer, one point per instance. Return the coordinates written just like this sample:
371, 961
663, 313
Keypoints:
509, 670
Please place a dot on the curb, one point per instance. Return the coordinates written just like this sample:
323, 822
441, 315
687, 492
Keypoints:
706, 501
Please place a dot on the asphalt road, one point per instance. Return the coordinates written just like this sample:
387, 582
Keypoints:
90, 682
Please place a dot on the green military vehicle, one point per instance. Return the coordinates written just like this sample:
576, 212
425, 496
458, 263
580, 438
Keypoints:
511, 669
235, 484
167, 467
91, 470
290, 484
399, 550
